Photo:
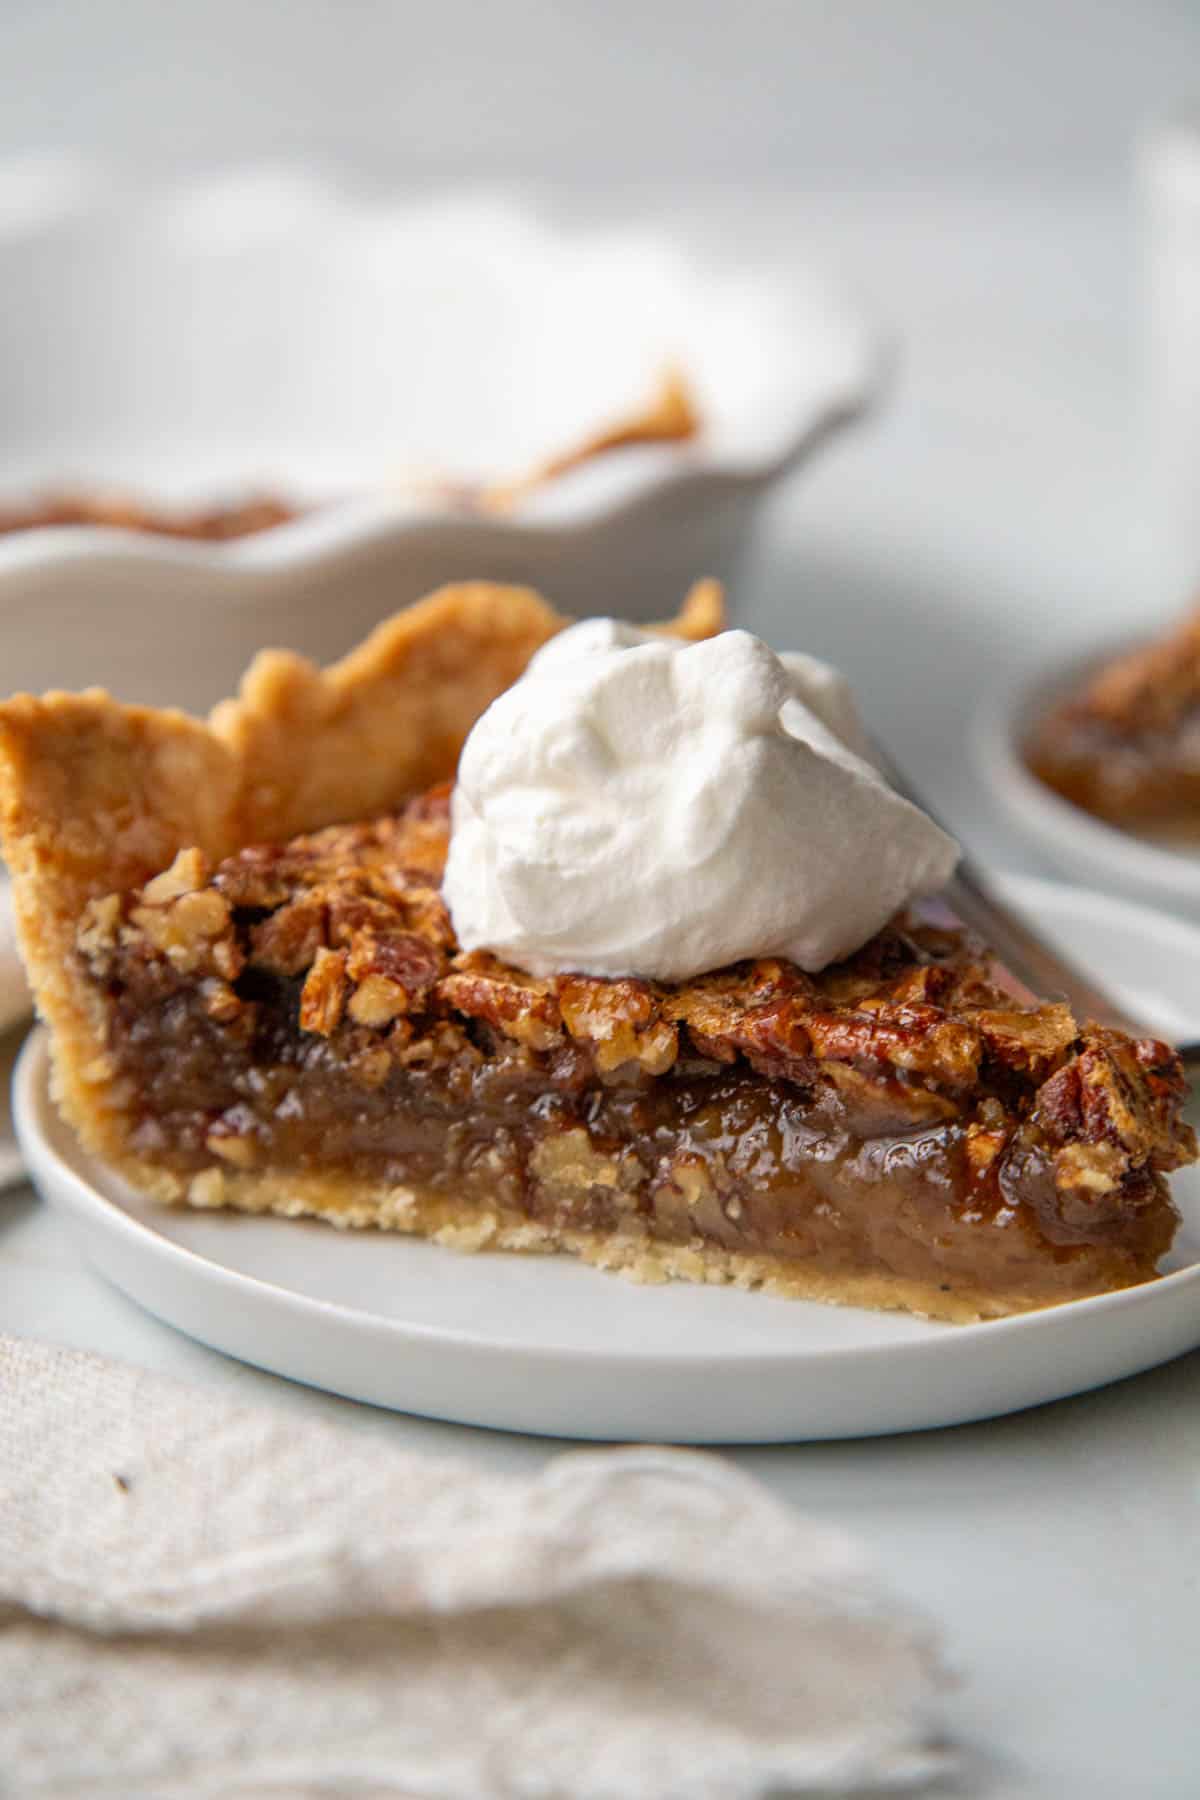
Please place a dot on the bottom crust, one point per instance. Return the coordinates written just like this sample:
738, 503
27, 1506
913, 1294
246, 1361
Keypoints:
472, 1226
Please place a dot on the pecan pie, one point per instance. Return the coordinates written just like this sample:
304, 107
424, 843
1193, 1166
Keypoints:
237, 936
669, 415
1127, 745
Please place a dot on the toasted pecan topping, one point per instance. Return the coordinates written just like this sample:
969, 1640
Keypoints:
912, 1027
622, 1022
192, 932
323, 996
289, 940
1031, 1042
1120, 1091
921, 1040
517, 1005
186, 874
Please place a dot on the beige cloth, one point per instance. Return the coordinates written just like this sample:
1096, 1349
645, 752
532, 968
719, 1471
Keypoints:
199, 1598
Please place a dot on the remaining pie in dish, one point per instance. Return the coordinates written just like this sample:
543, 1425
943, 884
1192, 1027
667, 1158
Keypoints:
237, 938
669, 415
209, 524
1126, 746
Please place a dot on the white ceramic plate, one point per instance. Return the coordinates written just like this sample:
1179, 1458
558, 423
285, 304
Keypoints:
270, 328
548, 1345
1081, 846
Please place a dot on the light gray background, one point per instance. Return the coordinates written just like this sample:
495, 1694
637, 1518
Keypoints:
970, 167
731, 90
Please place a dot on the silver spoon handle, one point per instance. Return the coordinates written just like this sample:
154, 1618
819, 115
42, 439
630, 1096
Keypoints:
1026, 955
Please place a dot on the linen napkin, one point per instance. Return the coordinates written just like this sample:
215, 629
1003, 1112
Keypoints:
200, 1598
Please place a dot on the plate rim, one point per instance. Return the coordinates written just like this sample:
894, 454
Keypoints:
32, 1100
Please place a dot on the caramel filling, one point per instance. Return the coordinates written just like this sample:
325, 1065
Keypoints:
858, 1178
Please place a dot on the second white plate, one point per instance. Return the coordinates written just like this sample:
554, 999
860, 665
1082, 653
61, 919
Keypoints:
1084, 848
548, 1345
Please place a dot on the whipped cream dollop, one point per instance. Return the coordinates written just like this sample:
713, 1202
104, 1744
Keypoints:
635, 805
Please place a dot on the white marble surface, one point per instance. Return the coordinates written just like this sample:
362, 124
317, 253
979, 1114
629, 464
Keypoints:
992, 517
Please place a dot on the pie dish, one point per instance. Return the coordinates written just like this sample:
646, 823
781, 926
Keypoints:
235, 932
219, 287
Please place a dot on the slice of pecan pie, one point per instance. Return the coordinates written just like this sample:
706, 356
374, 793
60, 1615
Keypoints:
237, 937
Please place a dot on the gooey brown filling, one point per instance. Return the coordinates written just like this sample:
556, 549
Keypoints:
857, 1179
